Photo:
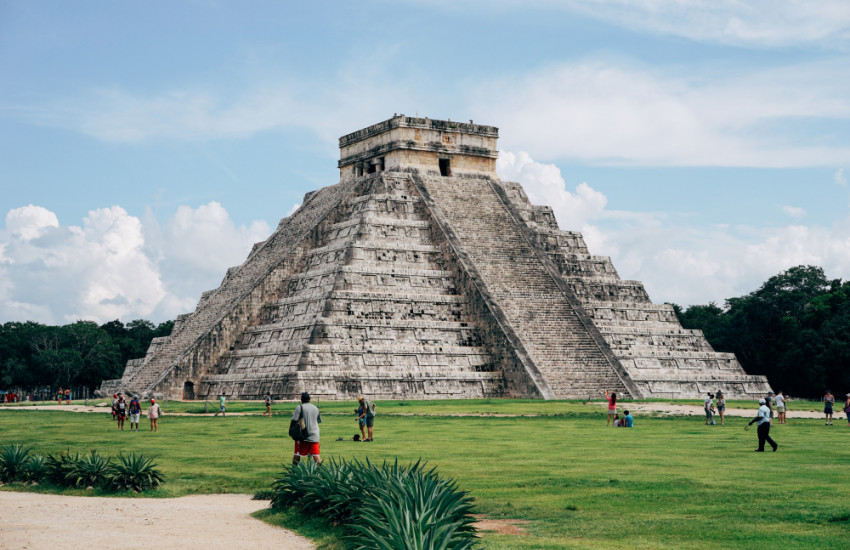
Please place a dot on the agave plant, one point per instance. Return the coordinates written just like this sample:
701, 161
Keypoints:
58, 468
134, 472
35, 468
13, 462
413, 509
92, 470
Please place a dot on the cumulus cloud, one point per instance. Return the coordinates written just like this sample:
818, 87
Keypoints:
609, 111
114, 265
678, 262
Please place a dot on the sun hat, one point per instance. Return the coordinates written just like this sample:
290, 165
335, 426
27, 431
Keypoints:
762, 401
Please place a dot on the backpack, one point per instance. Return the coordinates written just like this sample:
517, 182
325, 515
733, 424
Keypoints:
298, 428
370, 408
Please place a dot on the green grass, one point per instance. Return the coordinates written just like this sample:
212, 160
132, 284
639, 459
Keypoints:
669, 483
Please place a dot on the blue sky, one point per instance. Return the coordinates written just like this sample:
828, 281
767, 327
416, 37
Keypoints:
144, 146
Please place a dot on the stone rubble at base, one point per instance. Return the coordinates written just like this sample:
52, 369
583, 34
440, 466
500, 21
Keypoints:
422, 275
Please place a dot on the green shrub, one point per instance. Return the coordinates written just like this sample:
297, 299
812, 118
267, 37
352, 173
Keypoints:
413, 509
388, 507
57, 469
35, 468
134, 472
92, 470
13, 462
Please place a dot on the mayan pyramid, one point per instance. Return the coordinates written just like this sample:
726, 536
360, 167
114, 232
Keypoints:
422, 275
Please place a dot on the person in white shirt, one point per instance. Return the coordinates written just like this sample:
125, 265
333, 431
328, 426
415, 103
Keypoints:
780, 407
763, 419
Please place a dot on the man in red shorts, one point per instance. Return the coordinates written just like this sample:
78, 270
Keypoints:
309, 446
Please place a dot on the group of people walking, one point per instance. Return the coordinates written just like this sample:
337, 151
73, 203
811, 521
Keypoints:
121, 409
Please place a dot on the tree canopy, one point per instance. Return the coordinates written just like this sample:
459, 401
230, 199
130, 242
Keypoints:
794, 329
33, 355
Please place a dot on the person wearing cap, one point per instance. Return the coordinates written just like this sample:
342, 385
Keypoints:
780, 407
153, 413
768, 400
309, 446
763, 419
368, 415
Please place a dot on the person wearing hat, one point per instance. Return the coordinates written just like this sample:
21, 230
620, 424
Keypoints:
309, 446
368, 415
768, 400
153, 413
763, 419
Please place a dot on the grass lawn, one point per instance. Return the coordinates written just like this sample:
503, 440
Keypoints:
670, 482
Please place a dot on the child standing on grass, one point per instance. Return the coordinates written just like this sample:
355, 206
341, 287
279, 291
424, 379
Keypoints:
153, 413
612, 406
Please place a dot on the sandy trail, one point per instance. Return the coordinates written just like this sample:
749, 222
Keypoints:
639, 407
35, 521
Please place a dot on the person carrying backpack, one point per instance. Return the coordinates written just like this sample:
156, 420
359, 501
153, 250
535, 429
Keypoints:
307, 445
368, 415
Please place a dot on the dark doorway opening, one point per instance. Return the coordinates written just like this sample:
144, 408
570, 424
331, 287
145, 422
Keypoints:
189, 390
445, 167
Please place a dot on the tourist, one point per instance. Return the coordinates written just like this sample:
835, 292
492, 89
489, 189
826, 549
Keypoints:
135, 412
780, 407
121, 411
268, 400
612, 406
763, 419
709, 409
628, 420
67, 396
721, 406
828, 401
617, 421
114, 406
769, 400
360, 415
221, 408
309, 446
59, 395
368, 416
154, 412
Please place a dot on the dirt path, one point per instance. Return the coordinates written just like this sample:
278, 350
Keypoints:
34, 521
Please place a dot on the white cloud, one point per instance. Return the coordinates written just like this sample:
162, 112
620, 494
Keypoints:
615, 112
794, 212
759, 23
675, 261
840, 178
114, 265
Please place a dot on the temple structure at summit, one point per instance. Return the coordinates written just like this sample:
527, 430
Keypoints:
422, 275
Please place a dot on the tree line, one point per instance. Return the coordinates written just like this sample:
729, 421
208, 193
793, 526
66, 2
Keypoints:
795, 329
81, 354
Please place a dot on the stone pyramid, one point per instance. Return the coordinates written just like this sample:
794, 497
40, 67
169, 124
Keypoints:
422, 275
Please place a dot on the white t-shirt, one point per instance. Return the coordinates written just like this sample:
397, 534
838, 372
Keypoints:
780, 401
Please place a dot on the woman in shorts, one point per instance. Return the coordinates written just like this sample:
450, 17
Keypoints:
721, 405
828, 400
780, 407
153, 413
612, 406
